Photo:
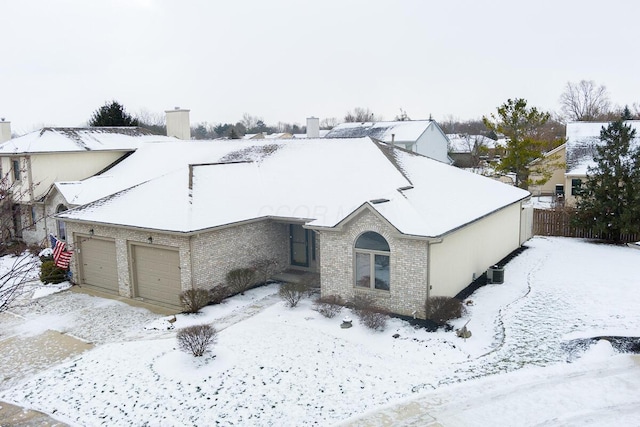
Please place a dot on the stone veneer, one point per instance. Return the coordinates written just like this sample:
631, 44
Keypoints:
205, 258
408, 266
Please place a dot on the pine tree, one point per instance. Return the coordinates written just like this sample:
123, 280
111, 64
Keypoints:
609, 202
523, 128
112, 114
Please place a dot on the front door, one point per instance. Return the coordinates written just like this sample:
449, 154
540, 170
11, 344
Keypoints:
299, 238
302, 245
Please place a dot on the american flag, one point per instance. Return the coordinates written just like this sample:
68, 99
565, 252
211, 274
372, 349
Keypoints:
61, 258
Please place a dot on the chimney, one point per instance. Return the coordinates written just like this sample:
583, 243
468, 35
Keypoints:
313, 127
178, 124
5, 130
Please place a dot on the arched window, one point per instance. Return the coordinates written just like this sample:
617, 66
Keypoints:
372, 256
62, 231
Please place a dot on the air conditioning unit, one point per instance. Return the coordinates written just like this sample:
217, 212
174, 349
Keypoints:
495, 274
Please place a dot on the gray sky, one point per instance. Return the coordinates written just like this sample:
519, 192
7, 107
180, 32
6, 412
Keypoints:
285, 60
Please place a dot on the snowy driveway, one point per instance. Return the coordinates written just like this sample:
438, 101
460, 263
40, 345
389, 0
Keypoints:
284, 366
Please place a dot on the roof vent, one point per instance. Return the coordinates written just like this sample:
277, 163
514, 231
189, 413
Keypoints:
378, 201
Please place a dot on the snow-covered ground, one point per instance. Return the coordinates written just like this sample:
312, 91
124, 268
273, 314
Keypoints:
273, 365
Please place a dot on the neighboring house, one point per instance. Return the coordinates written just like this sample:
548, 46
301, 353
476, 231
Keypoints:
555, 162
38, 159
418, 136
371, 219
582, 137
468, 151
264, 135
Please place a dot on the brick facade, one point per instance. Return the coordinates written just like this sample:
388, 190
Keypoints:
408, 266
205, 258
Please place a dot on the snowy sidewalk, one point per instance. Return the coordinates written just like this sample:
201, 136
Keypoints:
553, 396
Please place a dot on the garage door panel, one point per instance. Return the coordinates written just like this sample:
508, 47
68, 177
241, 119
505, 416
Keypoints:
98, 263
157, 274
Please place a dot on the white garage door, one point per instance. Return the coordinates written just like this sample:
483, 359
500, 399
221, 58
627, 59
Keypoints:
157, 274
98, 267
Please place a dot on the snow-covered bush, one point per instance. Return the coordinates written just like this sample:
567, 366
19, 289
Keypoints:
328, 306
442, 309
192, 300
240, 279
292, 293
196, 339
370, 315
50, 273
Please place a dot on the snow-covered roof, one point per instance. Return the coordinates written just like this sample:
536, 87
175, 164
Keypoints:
318, 181
62, 140
464, 143
408, 130
582, 137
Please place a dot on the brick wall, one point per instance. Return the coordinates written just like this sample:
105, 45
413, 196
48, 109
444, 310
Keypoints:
206, 258
408, 266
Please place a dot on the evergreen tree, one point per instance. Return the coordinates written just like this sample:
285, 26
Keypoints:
610, 199
523, 128
112, 114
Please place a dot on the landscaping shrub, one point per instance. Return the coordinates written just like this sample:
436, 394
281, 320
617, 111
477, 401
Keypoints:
370, 315
196, 339
442, 309
265, 268
50, 273
292, 293
218, 293
192, 300
328, 306
240, 279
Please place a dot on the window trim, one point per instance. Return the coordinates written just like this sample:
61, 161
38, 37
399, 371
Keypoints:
372, 265
576, 186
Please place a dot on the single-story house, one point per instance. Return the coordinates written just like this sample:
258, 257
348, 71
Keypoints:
418, 136
371, 219
468, 151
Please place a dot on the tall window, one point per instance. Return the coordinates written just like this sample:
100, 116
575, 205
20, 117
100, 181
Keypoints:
576, 184
62, 230
15, 165
372, 255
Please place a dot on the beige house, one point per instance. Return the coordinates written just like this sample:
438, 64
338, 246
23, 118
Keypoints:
35, 161
369, 218
555, 162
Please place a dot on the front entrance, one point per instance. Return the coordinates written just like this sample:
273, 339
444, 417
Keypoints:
302, 246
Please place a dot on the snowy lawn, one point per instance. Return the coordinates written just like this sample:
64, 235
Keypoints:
273, 365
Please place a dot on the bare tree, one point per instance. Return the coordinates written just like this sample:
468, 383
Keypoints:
360, 114
153, 121
328, 123
584, 101
250, 121
13, 281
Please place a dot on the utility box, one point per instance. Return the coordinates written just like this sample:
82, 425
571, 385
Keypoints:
495, 274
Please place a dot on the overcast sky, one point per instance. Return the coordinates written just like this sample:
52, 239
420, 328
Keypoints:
285, 60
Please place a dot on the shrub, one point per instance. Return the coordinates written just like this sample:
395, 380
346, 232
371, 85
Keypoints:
192, 300
196, 339
50, 273
328, 306
240, 279
292, 293
265, 268
442, 309
370, 315
218, 293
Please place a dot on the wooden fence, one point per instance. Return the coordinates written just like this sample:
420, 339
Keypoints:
560, 223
